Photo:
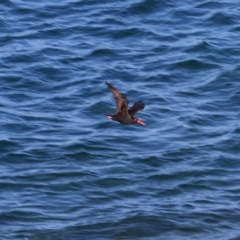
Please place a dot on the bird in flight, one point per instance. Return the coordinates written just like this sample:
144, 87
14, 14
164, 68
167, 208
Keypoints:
124, 114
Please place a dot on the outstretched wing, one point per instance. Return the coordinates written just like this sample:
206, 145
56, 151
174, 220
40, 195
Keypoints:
120, 99
137, 106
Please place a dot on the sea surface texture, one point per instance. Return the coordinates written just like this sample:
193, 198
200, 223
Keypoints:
69, 173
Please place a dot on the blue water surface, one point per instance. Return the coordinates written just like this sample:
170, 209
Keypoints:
69, 173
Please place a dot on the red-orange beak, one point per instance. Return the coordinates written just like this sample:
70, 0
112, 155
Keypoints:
140, 122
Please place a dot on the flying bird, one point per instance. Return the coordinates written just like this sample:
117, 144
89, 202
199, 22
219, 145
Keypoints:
124, 114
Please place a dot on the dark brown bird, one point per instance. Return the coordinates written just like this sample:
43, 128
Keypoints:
123, 113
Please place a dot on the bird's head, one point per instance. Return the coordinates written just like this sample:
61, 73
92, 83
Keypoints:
137, 120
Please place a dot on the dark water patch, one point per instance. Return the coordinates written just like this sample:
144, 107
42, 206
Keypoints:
102, 53
200, 47
128, 33
145, 7
193, 65
223, 19
211, 5
228, 162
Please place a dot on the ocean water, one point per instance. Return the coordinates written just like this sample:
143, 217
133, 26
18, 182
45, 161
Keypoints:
69, 173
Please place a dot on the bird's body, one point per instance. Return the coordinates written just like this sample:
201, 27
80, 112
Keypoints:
124, 114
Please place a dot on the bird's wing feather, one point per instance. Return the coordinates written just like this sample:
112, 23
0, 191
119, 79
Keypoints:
120, 99
137, 106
